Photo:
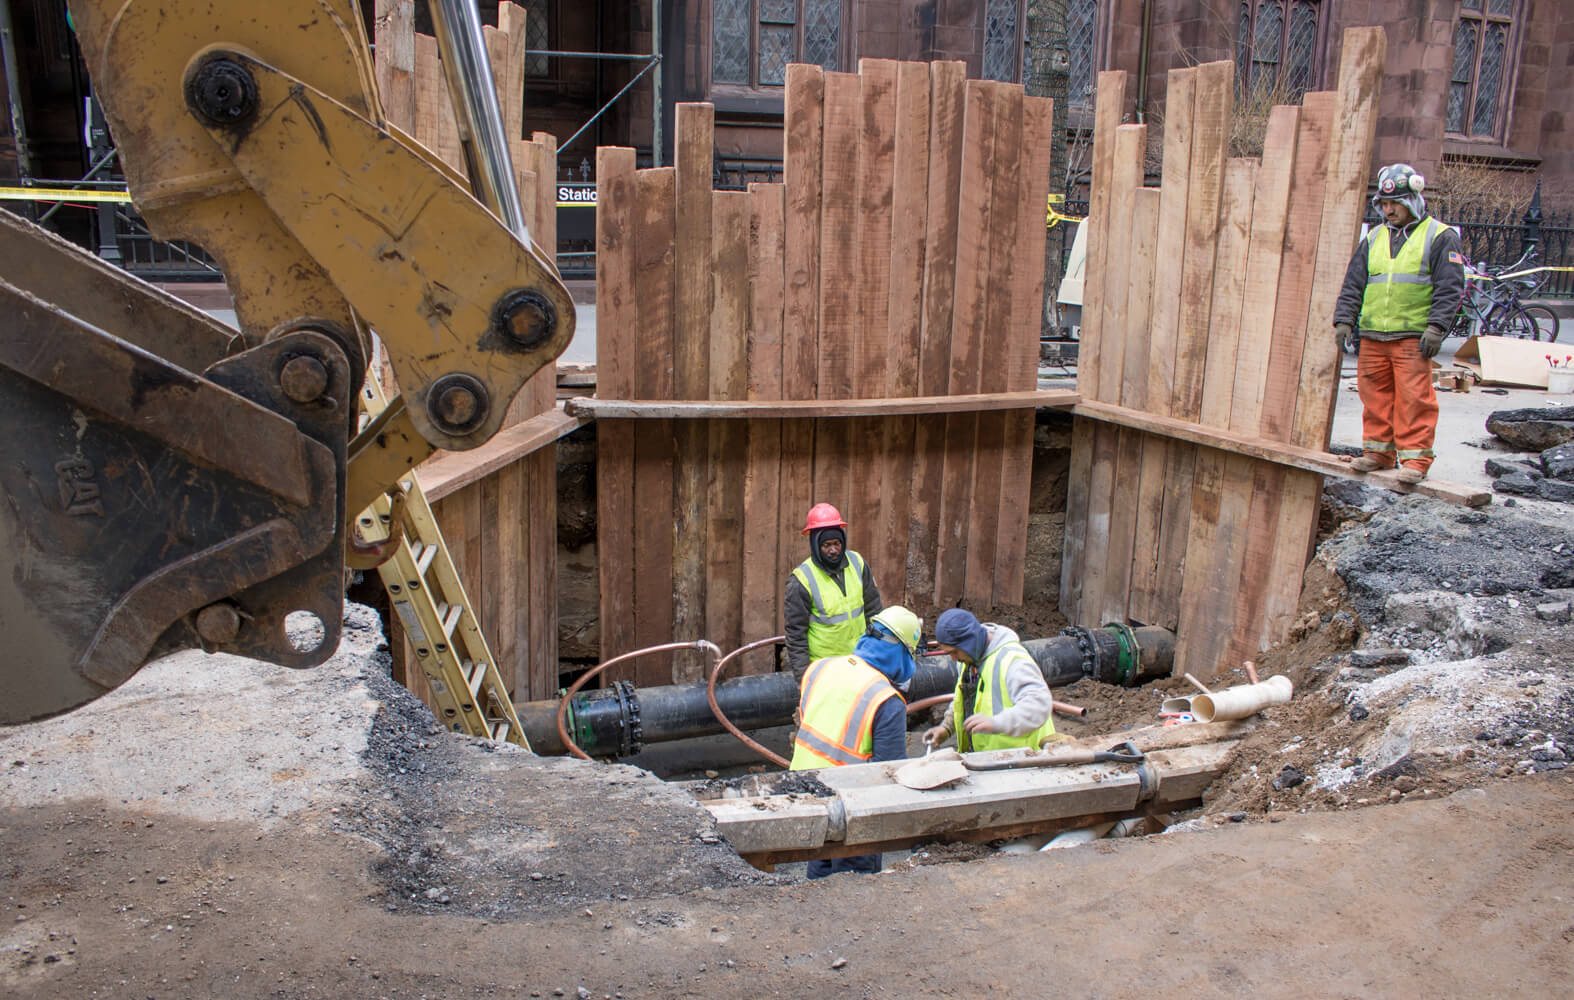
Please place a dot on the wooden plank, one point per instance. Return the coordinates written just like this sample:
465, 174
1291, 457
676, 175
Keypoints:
1027, 291
450, 471
1275, 452
968, 324
1302, 225
1260, 287
511, 22
1221, 490
540, 513
694, 157
541, 152
1107, 113
989, 455
762, 515
904, 320
394, 36
1078, 483
1146, 603
803, 148
1111, 525
1344, 193
839, 298
729, 439
512, 588
943, 191
877, 99
501, 568
655, 193
614, 359
431, 93
760, 409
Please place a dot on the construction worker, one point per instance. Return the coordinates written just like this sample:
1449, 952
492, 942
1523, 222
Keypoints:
1401, 293
830, 595
1001, 699
851, 709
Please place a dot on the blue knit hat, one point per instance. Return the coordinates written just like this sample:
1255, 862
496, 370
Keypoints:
959, 628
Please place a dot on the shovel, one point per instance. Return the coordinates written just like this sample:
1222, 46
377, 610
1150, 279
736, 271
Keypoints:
1121, 753
932, 770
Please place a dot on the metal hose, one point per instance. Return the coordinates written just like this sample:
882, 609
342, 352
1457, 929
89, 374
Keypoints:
710, 696
704, 645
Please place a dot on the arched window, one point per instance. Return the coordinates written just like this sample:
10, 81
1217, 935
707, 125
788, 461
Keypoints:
1082, 52
1485, 41
752, 41
1278, 47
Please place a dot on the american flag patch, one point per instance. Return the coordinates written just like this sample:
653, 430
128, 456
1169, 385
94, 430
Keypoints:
1455, 258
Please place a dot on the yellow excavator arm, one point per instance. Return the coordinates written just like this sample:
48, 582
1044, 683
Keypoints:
173, 484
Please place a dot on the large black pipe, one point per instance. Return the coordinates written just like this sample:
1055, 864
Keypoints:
618, 720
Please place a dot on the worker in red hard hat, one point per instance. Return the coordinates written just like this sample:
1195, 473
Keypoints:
830, 596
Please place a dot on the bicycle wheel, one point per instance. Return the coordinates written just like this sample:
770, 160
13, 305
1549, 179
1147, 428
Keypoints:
1514, 322
1545, 321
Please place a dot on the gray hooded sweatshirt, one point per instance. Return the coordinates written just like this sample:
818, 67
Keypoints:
1030, 699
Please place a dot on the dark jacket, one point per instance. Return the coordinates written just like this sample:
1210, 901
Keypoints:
795, 612
1448, 281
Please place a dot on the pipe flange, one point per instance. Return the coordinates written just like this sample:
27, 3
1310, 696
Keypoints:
1085, 643
1129, 665
629, 729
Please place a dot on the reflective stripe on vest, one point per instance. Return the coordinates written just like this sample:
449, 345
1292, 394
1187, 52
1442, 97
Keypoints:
992, 684
836, 713
1398, 294
836, 618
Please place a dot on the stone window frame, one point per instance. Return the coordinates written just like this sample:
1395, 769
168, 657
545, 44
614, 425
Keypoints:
1484, 12
1247, 15
754, 88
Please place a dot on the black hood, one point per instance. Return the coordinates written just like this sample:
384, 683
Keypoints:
818, 535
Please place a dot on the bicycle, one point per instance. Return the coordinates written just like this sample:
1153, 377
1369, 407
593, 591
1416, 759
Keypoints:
1492, 305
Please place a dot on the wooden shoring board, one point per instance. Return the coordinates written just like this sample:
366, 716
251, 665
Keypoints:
877, 99
1221, 487
1027, 291
394, 53
942, 194
1350, 137
762, 514
540, 392
1106, 571
989, 454
511, 23
1303, 216
1349, 164
1143, 254
655, 205
904, 318
803, 152
540, 467
1074, 564
1145, 602
839, 299
617, 307
967, 340
1270, 208
1210, 149
729, 439
694, 158
431, 93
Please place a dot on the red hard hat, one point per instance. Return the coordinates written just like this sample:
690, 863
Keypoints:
823, 515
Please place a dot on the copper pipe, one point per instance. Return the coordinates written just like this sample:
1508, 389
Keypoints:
710, 696
1066, 708
704, 645
919, 706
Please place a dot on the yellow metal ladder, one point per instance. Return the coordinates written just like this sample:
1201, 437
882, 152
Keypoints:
440, 625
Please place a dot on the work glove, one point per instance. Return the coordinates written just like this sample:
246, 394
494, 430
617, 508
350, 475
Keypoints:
1432, 341
1347, 338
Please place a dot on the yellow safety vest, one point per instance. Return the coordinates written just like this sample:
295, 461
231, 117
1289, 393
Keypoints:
836, 619
993, 698
1398, 294
836, 708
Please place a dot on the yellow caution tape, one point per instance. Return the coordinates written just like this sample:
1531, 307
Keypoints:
62, 194
1054, 217
1521, 274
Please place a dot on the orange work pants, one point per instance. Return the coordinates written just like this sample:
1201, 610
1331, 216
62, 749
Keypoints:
1399, 406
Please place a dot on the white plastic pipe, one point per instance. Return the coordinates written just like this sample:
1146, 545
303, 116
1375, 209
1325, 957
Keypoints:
1239, 702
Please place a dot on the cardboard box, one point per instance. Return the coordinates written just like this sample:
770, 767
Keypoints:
1506, 360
